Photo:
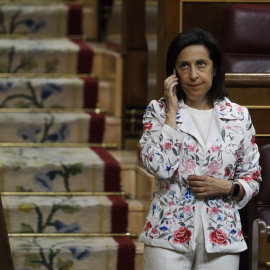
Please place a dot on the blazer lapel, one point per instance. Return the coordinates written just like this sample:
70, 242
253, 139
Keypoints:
215, 129
223, 112
186, 123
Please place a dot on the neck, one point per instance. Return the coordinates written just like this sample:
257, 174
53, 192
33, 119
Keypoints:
200, 104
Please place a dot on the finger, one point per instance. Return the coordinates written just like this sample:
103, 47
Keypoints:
169, 88
197, 177
195, 184
170, 80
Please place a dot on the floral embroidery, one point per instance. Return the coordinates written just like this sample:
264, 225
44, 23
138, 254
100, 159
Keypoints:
182, 235
256, 175
172, 156
214, 148
148, 126
218, 237
190, 166
239, 108
214, 210
213, 167
247, 179
253, 140
187, 209
191, 147
167, 146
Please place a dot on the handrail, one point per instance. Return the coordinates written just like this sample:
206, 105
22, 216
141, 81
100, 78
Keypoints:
249, 79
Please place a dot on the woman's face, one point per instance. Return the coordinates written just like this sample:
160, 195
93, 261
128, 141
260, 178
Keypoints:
196, 71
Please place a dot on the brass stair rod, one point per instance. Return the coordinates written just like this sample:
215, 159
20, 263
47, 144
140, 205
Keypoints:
60, 145
70, 234
54, 110
45, 75
7, 193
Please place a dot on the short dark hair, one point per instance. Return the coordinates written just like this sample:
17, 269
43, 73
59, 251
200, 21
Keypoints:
197, 36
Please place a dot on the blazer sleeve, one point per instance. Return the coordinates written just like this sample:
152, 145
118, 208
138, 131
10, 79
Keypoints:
248, 171
160, 143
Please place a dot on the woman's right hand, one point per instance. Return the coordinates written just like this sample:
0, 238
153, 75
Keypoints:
171, 100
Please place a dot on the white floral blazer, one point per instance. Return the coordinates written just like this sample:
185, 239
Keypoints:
172, 155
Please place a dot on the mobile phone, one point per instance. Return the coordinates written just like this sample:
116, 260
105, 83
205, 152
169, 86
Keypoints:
174, 89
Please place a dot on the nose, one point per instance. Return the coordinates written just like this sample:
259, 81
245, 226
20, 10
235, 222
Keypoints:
193, 73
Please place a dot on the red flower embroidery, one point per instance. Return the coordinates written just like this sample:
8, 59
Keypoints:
213, 167
228, 104
253, 140
239, 108
148, 226
214, 148
167, 146
214, 210
191, 147
171, 203
227, 171
247, 179
218, 237
182, 235
256, 175
187, 209
148, 126
154, 231
190, 166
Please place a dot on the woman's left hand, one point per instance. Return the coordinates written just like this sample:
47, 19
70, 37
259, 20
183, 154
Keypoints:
204, 186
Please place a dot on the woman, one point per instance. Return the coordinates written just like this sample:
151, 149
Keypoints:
201, 148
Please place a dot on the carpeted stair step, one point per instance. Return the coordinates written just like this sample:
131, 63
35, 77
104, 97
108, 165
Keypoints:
78, 253
65, 214
44, 92
73, 127
54, 19
39, 56
36, 127
58, 170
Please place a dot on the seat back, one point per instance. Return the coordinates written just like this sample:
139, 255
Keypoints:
262, 201
246, 38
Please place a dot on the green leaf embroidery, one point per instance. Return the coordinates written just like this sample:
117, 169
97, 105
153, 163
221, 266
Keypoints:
25, 228
64, 265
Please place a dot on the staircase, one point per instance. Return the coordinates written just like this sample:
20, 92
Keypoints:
64, 194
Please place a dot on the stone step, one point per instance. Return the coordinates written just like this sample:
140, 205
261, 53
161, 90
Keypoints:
73, 214
42, 92
40, 19
63, 127
65, 214
80, 253
139, 255
39, 56
58, 170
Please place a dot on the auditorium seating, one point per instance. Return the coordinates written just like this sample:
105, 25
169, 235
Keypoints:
245, 39
261, 224
261, 245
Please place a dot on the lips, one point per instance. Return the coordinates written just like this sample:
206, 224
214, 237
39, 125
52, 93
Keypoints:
195, 85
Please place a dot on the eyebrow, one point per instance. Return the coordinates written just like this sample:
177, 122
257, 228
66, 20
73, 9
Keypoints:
201, 59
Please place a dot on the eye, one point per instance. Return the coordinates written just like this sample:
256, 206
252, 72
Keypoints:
201, 63
184, 65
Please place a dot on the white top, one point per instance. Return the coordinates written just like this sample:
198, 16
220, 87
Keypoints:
201, 119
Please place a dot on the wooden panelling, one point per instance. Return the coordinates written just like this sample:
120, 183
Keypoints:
168, 28
195, 14
249, 95
262, 140
261, 120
